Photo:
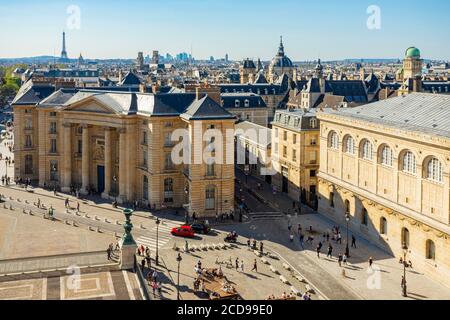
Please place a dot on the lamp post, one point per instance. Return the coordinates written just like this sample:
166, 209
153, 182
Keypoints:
178, 275
115, 187
347, 249
405, 251
157, 235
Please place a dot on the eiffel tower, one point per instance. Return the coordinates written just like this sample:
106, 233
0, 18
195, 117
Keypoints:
64, 57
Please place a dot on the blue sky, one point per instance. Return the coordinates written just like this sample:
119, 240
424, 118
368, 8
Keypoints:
330, 29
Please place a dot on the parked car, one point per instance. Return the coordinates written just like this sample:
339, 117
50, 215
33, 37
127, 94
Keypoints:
201, 227
183, 231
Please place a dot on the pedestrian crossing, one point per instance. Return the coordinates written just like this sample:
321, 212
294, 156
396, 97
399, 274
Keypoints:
164, 235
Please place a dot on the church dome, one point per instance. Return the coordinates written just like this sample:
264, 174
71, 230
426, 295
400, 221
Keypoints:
281, 60
412, 52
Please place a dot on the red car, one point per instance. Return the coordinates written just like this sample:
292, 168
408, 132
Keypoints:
183, 231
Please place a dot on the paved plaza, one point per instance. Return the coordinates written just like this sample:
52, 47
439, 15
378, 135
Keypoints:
115, 285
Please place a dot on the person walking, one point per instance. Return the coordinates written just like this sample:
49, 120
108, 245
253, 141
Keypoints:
340, 258
370, 262
302, 238
353, 241
78, 207
344, 259
255, 266
66, 203
242, 266
108, 253
330, 251
339, 238
237, 264
261, 247
143, 265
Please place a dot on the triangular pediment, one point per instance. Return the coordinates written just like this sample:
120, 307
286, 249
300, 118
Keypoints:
91, 105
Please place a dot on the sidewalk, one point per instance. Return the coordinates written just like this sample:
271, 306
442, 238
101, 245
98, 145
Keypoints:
382, 281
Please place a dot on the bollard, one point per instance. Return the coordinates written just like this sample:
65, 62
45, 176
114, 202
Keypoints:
98, 230
27, 202
106, 220
24, 211
74, 224
4, 206
118, 223
18, 200
10, 207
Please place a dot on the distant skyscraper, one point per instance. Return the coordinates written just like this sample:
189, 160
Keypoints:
64, 56
155, 57
226, 57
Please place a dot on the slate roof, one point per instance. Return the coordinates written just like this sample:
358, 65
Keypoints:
31, 94
421, 112
206, 109
297, 119
260, 78
352, 90
130, 79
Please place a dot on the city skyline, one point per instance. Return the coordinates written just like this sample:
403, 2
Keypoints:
309, 31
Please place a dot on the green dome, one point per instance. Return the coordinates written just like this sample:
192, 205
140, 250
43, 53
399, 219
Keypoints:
413, 52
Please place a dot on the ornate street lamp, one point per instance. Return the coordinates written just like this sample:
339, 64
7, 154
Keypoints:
157, 236
115, 187
347, 249
178, 280
405, 251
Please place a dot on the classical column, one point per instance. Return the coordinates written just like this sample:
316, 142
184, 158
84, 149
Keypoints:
108, 162
67, 158
85, 161
122, 164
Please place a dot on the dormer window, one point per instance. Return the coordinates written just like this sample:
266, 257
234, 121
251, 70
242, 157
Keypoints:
247, 103
237, 103
313, 123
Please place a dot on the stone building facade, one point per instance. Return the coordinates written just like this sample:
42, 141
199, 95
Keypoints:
387, 166
295, 154
119, 145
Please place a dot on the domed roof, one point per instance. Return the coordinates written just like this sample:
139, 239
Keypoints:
280, 60
412, 52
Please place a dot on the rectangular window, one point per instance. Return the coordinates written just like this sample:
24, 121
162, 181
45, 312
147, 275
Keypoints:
313, 141
284, 151
167, 139
276, 148
145, 160
285, 134
312, 173
168, 164
28, 164
28, 142
294, 155
210, 170
53, 127
53, 146
80, 146
276, 132
52, 114
28, 124
313, 157
144, 138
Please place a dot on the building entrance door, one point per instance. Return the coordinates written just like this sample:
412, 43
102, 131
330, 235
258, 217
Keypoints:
285, 182
100, 179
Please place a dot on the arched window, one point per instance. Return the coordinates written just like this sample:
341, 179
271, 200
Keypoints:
145, 188
333, 140
430, 250
387, 157
405, 237
383, 225
367, 150
409, 163
364, 217
210, 198
168, 190
434, 170
349, 145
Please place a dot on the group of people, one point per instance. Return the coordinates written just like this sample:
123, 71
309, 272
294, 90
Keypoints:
225, 216
288, 296
253, 244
